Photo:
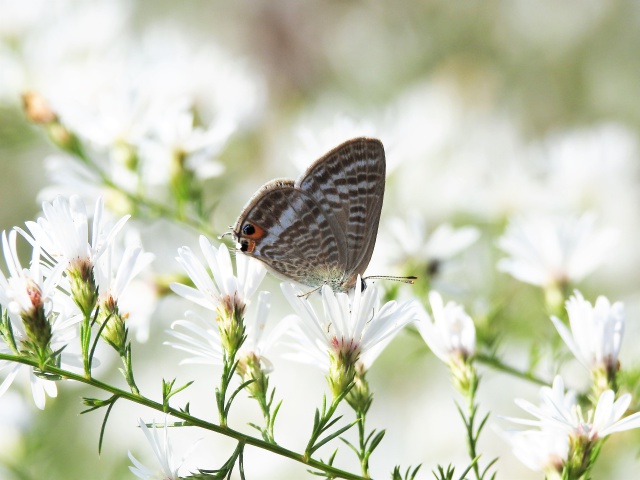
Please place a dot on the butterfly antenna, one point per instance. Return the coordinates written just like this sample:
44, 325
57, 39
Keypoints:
410, 279
230, 232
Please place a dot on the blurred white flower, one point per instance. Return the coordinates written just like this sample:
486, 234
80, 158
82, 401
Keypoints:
451, 335
178, 144
69, 176
321, 130
553, 250
119, 119
163, 451
118, 88
596, 331
349, 328
224, 289
545, 450
411, 241
593, 168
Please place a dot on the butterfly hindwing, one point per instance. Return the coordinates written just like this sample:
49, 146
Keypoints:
290, 233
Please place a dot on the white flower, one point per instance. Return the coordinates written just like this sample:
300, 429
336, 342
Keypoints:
552, 250
26, 289
177, 140
40, 388
349, 327
594, 168
560, 410
112, 280
197, 337
163, 451
201, 339
24, 292
224, 287
596, 331
452, 334
63, 232
321, 130
411, 240
545, 450
69, 176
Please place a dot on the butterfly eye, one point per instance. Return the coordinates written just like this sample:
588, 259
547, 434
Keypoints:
244, 245
248, 229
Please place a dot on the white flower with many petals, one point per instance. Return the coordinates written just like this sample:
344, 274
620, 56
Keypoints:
201, 339
552, 250
198, 338
226, 294
565, 437
560, 410
348, 329
596, 333
451, 335
26, 289
63, 232
225, 289
30, 297
163, 451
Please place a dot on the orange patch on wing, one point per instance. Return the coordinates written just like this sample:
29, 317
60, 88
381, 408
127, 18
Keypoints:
257, 234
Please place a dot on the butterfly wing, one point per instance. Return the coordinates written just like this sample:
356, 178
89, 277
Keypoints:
285, 228
348, 184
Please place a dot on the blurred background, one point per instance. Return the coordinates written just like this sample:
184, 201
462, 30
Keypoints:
488, 111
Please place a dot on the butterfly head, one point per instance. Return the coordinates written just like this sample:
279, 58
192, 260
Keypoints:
247, 235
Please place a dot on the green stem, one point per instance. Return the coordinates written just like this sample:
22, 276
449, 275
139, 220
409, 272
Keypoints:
156, 209
468, 388
497, 364
364, 454
194, 421
228, 369
85, 342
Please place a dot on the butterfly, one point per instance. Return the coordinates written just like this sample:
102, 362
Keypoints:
320, 229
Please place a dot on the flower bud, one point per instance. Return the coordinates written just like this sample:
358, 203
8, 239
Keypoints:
84, 290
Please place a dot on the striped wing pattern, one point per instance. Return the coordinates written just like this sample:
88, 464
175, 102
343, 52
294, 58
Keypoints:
322, 228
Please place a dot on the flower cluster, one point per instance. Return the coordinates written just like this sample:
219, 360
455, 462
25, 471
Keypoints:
70, 281
567, 440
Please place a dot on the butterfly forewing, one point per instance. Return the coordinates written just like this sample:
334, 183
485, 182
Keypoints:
349, 181
322, 228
